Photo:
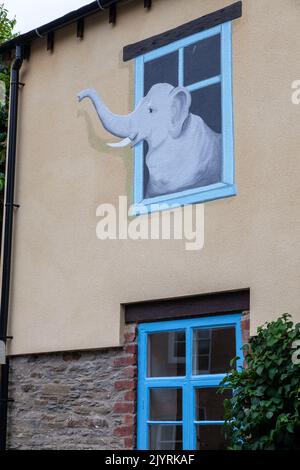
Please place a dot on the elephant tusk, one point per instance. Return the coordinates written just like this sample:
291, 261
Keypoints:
123, 143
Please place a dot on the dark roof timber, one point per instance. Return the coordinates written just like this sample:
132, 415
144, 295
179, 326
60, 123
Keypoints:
49, 28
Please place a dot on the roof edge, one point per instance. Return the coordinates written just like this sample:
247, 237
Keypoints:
61, 22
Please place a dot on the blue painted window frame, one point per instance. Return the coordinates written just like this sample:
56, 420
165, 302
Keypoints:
189, 383
226, 187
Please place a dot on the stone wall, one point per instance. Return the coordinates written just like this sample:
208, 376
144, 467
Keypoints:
83, 400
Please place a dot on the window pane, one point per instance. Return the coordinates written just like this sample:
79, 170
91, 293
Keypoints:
165, 404
161, 70
210, 404
206, 103
213, 350
202, 60
166, 354
163, 437
211, 437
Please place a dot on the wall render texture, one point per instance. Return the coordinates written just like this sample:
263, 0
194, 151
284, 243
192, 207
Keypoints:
65, 171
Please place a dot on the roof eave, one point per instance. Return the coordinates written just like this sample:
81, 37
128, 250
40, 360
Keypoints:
56, 24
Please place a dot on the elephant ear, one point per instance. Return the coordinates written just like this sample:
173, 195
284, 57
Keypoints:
180, 108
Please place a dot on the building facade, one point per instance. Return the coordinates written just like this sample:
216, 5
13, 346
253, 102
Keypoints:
121, 335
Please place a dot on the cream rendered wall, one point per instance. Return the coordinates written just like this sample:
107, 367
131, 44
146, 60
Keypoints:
67, 286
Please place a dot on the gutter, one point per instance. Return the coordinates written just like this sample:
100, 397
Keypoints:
7, 242
76, 15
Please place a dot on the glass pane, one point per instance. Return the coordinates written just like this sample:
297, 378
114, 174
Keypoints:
206, 103
202, 60
165, 437
161, 70
166, 354
211, 437
210, 404
213, 349
165, 404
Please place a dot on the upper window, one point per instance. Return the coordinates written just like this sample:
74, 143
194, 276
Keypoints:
186, 149
181, 365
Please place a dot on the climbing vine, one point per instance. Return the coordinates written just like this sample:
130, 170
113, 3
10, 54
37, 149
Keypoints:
264, 412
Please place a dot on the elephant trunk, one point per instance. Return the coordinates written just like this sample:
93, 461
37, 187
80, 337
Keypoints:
120, 126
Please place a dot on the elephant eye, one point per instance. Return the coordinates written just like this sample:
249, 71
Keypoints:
150, 110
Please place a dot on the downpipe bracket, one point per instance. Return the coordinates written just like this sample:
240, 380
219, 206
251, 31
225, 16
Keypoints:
16, 206
20, 84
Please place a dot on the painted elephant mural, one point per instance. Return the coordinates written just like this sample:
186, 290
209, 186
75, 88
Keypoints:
183, 152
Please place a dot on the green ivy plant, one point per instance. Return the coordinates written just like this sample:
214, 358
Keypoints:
264, 412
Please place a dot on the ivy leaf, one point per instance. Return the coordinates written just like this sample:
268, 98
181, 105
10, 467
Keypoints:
290, 427
260, 369
264, 412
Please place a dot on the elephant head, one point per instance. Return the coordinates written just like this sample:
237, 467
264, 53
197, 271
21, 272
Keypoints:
160, 114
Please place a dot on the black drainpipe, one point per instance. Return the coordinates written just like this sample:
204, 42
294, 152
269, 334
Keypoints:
8, 230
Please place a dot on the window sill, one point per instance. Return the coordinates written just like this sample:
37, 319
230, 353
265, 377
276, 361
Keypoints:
191, 196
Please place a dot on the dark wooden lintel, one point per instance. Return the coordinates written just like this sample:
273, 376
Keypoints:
187, 307
205, 22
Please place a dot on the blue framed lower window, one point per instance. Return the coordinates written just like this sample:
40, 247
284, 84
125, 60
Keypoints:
180, 366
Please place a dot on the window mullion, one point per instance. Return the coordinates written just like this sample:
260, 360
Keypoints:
143, 395
164, 423
208, 423
164, 382
205, 83
181, 67
188, 426
139, 149
213, 380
